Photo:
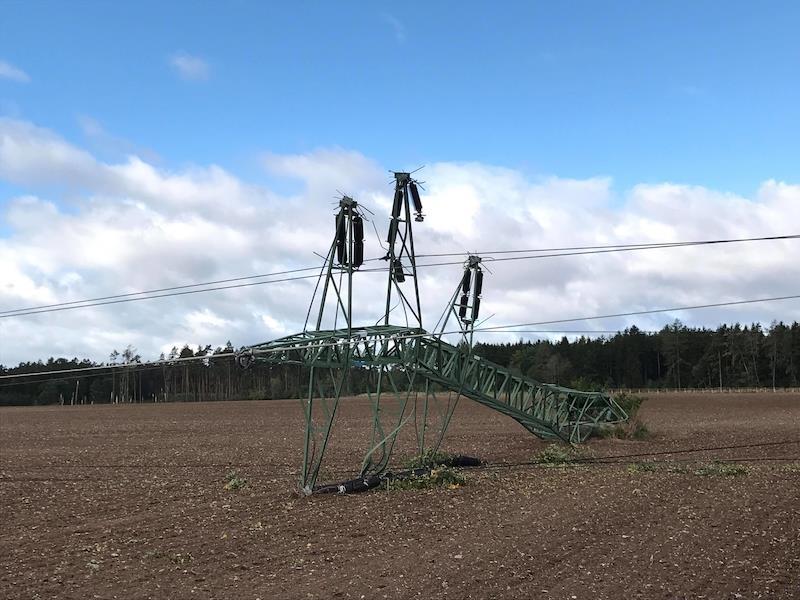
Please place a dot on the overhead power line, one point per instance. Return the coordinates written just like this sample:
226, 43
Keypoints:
622, 246
573, 331
167, 295
577, 251
191, 288
494, 329
149, 365
640, 312
618, 458
612, 459
158, 290
143, 365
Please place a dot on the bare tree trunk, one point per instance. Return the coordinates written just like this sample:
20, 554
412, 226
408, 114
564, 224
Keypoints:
774, 360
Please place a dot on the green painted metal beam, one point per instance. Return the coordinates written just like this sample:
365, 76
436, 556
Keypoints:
548, 411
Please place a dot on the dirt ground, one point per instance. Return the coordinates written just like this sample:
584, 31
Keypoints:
129, 502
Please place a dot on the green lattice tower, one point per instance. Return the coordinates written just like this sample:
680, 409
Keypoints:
408, 369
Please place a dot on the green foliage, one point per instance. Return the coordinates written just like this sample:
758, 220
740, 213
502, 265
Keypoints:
642, 467
555, 454
713, 469
678, 468
435, 478
639, 430
610, 431
675, 357
429, 458
632, 430
234, 482
630, 403
584, 384
721, 469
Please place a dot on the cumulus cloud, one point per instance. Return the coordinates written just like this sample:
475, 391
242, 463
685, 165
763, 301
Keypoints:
85, 228
32, 155
109, 145
9, 71
189, 67
326, 170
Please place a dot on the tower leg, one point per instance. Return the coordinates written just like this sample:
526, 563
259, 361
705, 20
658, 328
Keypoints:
325, 387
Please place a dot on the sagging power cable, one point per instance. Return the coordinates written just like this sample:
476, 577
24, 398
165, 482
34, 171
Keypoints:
621, 247
493, 329
192, 288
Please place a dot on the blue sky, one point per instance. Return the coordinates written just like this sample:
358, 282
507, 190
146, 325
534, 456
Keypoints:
154, 144
701, 93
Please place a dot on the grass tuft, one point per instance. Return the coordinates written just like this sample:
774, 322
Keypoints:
713, 469
642, 467
632, 430
555, 454
436, 478
233, 481
429, 458
639, 430
721, 469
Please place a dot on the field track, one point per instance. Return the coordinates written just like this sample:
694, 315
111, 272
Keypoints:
129, 502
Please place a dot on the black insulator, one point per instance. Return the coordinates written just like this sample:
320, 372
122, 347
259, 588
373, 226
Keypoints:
462, 308
392, 232
476, 307
397, 271
478, 282
358, 228
358, 253
340, 226
358, 241
465, 282
398, 203
341, 239
415, 197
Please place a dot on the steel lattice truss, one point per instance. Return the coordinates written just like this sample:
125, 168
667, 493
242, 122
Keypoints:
406, 370
411, 355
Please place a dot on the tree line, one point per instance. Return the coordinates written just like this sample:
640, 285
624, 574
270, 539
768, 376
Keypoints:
732, 356
126, 380
674, 357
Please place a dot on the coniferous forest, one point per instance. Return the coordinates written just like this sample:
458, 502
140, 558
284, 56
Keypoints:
675, 357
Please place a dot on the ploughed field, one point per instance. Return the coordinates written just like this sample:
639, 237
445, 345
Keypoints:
129, 502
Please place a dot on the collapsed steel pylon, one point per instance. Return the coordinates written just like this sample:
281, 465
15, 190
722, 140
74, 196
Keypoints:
406, 362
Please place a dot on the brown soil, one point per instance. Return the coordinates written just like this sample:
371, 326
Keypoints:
129, 502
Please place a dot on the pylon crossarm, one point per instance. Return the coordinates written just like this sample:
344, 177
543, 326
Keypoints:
368, 346
547, 410
544, 409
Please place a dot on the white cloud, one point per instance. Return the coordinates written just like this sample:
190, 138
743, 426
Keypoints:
87, 228
9, 71
109, 145
324, 171
190, 68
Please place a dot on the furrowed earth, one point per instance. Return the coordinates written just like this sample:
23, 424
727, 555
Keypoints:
129, 501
